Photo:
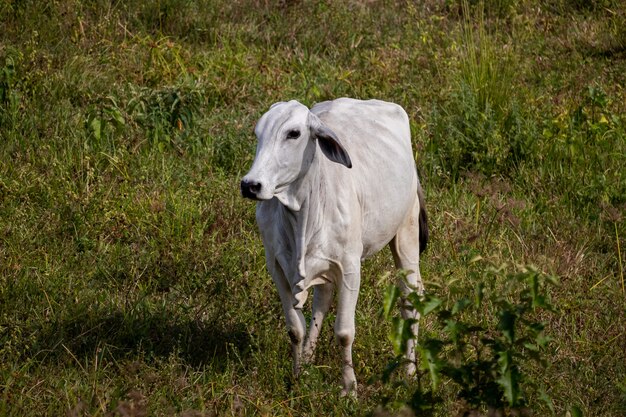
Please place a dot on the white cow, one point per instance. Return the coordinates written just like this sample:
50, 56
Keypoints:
336, 183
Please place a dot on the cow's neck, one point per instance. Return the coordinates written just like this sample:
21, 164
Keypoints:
297, 196
304, 200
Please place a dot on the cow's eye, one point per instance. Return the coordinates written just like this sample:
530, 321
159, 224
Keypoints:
293, 134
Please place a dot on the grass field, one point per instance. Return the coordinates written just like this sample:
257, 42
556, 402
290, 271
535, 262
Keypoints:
132, 276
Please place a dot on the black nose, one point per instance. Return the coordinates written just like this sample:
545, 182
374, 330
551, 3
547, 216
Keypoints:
250, 189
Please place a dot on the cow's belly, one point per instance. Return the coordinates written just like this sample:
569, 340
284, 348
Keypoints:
385, 213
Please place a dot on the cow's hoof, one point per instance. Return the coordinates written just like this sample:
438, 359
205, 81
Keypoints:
411, 370
349, 392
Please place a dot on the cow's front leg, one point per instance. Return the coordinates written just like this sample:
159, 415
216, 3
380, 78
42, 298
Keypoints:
345, 327
296, 324
296, 328
322, 297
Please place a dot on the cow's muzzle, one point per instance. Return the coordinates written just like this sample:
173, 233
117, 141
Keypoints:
250, 189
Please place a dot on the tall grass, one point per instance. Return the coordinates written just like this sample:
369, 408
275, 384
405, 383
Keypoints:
484, 125
132, 279
484, 69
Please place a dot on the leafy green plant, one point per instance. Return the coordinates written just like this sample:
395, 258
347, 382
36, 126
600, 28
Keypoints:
470, 138
105, 119
482, 344
166, 114
590, 178
9, 96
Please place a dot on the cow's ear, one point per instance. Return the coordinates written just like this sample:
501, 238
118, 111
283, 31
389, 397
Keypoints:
329, 142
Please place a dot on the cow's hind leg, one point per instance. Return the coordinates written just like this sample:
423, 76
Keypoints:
322, 297
405, 248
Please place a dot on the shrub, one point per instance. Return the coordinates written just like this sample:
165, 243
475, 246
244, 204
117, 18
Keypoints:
484, 345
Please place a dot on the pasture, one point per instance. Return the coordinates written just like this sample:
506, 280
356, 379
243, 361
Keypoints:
132, 274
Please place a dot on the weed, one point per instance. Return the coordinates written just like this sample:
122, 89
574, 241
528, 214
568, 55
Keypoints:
483, 69
484, 127
131, 276
593, 176
483, 343
105, 120
166, 114
9, 94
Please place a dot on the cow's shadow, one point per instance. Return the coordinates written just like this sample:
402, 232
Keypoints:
126, 333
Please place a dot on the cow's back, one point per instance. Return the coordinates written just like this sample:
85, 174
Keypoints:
377, 136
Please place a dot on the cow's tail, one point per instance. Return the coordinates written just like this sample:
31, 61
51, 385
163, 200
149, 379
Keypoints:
423, 218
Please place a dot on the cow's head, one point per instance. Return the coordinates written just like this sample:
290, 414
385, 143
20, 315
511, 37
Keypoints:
288, 136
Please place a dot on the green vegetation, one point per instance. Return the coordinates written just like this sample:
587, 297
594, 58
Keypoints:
488, 341
132, 278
